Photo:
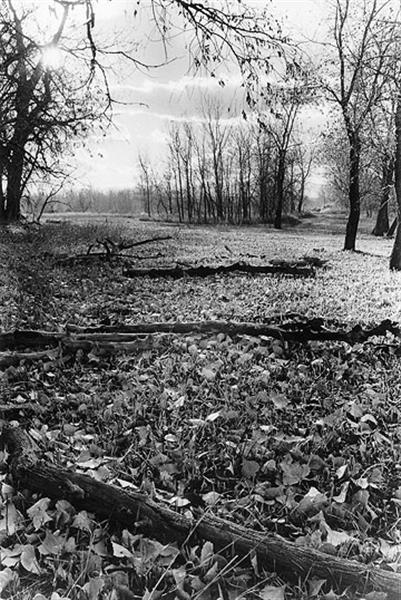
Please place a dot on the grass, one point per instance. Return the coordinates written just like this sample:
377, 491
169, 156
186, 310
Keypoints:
244, 427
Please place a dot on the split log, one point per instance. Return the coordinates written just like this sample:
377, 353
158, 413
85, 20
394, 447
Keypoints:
131, 508
178, 272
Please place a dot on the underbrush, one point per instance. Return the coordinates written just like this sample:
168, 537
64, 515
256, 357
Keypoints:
299, 440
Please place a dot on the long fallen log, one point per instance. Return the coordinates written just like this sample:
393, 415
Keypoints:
131, 508
178, 272
313, 330
139, 336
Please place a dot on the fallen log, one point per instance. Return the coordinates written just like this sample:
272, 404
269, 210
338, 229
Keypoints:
39, 339
178, 272
138, 337
28, 338
313, 330
131, 508
12, 359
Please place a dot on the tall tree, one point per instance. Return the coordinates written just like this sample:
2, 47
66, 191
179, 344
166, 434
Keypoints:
363, 42
43, 109
395, 259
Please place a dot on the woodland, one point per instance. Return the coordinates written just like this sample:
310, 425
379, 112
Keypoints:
204, 403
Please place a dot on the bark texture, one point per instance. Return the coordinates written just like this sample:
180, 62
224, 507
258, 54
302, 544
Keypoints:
395, 259
354, 191
133, 509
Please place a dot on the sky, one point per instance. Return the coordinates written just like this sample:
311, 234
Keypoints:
164, 95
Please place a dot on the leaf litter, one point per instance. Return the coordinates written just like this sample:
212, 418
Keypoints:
301, 440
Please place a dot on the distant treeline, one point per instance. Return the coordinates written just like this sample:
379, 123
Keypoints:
122, 201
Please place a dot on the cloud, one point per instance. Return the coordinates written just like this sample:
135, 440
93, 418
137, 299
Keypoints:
184, 84
183, 97
231, 117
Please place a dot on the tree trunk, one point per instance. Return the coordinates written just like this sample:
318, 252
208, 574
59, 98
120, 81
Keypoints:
382, 223
354, 192
395, 260
393, 227
301, 195
14, 183
280, 193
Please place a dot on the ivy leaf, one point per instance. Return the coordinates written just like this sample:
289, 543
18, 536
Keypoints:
6, 577
293, 473
250, 468
38, 513
82, 521
52, 544
12, 520
272, 592
94, 587
29, 561
120, 552
280, 401
342, 496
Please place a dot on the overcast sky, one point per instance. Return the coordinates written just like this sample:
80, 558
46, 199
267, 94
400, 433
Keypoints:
163, 95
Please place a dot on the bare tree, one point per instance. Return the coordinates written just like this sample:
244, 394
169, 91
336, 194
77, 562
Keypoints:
43, 108
395, 259
363, 41
145, 171
287, 96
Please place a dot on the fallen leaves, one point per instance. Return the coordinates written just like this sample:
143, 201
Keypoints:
303, 440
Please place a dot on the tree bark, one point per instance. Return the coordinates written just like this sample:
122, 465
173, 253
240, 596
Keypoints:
133, 509
280, 193
382, 223
354, 192
395, 259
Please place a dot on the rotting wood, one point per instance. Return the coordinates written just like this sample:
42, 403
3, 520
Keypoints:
141, 336
129, 508
177, 272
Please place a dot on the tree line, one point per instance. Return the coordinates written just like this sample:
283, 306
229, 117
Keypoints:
213, 172
232, 170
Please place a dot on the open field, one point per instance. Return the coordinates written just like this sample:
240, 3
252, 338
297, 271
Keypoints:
298, 439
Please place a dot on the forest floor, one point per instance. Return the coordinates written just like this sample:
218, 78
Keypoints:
300, 439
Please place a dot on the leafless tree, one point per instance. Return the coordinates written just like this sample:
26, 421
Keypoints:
43, 109
363, 38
